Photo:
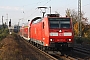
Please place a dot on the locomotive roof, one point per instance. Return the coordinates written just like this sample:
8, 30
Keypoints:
52, 15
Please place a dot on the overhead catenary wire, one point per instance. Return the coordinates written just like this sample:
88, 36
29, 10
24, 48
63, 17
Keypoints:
47, 2
35, 3
31, 8
42, 5
36, 8
76, 6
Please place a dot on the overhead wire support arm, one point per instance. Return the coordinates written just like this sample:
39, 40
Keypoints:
50, 9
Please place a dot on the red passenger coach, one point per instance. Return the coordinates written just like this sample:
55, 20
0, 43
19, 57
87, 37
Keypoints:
52, 31
24, 32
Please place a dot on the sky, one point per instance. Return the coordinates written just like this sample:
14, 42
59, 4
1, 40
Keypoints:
23, 10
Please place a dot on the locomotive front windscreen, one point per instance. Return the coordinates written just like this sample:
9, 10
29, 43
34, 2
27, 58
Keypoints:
59, 22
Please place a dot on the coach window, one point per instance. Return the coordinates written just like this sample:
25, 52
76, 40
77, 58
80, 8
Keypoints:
43, 25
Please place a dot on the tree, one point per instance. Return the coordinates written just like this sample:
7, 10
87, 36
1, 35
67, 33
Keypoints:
74, 15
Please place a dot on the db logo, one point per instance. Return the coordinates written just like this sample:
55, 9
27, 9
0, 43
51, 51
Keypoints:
60, 34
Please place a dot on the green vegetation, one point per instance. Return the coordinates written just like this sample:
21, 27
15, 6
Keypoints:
3, 33
82, 40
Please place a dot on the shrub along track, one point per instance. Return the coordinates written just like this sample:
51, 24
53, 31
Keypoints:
13, 48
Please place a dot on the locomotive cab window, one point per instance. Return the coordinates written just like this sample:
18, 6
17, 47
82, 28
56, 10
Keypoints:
59, 22
65, 24
54, 24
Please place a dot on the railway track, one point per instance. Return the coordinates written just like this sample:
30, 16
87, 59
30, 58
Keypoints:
59, 56
78, 53
54, 55
83, 50
51, 55
39, 51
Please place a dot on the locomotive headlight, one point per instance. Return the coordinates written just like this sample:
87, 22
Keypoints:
51, 39
69, 39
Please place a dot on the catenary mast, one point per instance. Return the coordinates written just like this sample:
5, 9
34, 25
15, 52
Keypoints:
79, 18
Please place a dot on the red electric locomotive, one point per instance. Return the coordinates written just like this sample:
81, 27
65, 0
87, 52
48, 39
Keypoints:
52, 31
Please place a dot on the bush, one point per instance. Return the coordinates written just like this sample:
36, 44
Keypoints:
78, 40
82, 40
3, 33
